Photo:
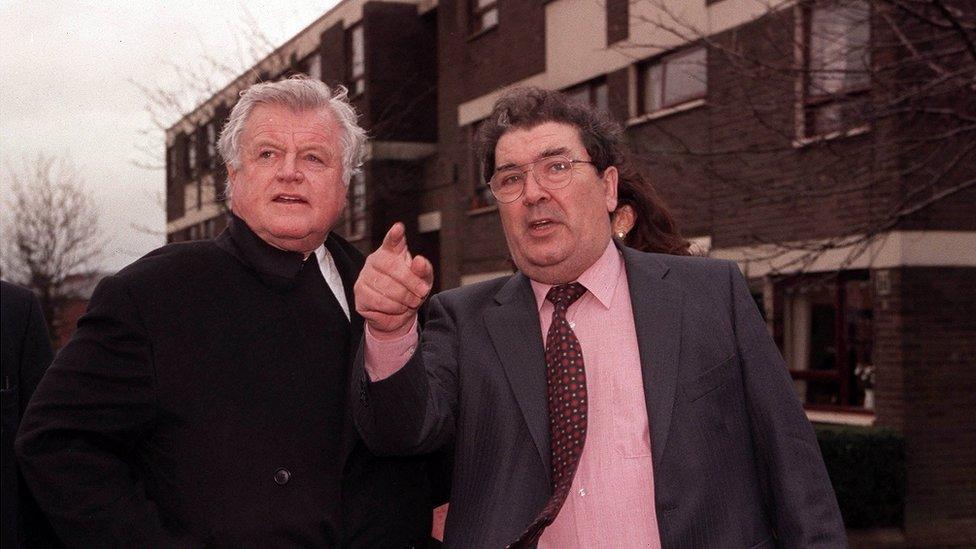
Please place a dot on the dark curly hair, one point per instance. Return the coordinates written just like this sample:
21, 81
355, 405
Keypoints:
524, 108
654, 227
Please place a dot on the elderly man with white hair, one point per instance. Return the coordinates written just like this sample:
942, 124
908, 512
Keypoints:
202, 400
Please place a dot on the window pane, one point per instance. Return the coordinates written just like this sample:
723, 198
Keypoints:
579, 95
601, 97
685, 77
358, 56
314, 67
356, 214
191, 156
839, 53
489, 19
652, 88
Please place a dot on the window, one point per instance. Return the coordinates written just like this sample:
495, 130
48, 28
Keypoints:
211, 159
210, 228
673, 80
484, 15
313, 66
357, 61
594, 93
171, 164
191, 155
356, 207
837, 61
481, 196
826, 338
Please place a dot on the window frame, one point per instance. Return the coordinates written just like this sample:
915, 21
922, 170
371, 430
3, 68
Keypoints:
192, 154
591, 88
356, 71
482, 198
849, 392
476, 16
810, 104
354, 218
662, 63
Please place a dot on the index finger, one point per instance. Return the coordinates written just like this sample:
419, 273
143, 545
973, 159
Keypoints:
395, 239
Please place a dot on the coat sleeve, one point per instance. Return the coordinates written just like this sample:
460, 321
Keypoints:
799, 498
79, 438
412, 411
37, 354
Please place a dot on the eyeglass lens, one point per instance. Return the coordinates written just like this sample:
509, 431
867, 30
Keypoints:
552, 172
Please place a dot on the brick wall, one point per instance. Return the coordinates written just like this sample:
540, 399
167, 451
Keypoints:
925, 350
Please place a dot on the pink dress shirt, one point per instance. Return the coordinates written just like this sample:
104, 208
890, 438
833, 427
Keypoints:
611, 502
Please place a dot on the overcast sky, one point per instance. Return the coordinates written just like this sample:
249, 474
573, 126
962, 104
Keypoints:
65, 72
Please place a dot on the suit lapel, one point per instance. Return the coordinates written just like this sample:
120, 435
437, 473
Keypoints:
516, 335
657, 318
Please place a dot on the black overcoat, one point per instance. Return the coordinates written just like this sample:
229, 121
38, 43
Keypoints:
26, 352
202, 401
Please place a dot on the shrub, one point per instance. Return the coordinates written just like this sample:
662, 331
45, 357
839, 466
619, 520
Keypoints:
867, 468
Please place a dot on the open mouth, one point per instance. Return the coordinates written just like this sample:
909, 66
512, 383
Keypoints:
289, 199
541, 225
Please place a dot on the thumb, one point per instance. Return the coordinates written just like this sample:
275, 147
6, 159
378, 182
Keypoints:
395, 239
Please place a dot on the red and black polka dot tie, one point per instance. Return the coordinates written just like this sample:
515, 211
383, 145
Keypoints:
567, 407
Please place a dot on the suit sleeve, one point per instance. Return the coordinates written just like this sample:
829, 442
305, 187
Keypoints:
412, 411
799, 497
77, 444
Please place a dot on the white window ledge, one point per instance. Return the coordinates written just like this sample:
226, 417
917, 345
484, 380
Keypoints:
687, 106
814, 139
840, 418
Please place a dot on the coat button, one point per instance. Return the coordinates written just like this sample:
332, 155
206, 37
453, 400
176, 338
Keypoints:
282, 476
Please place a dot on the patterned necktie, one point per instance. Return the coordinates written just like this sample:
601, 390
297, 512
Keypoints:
567, 407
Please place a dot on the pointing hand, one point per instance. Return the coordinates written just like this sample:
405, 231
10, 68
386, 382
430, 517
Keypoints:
392, 285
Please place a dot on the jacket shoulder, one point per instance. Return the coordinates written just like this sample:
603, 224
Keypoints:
176, 261
14, 295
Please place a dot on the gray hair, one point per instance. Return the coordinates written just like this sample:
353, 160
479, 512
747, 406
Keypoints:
299, 93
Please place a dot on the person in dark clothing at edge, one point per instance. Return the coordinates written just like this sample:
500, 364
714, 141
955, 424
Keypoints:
26, 349
202, 400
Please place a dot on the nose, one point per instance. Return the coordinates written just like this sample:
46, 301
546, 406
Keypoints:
532, 191
288, 169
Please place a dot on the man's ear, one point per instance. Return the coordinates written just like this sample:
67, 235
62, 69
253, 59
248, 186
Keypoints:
610, 187
231, 176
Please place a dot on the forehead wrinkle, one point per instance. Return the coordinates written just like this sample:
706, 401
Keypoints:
303, 139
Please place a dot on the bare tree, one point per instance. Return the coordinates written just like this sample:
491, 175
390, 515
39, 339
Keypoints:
878, 96
51, 232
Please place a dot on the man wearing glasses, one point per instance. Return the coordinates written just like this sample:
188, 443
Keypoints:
600, 397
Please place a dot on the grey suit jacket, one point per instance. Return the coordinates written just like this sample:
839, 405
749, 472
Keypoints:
735, 460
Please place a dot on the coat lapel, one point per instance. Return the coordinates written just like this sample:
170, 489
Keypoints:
657, 317
348, 264
517, 337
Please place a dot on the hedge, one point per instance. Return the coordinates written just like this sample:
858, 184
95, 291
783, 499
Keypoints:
867, 468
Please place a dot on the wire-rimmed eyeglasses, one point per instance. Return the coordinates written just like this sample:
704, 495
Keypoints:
551, 172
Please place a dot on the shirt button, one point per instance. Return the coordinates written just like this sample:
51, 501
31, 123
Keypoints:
282, 476
572, 324
582, 492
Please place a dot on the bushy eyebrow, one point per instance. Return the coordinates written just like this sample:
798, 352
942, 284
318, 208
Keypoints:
552, 151
264, 140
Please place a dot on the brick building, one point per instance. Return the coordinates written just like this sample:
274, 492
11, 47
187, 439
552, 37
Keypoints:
775, 150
